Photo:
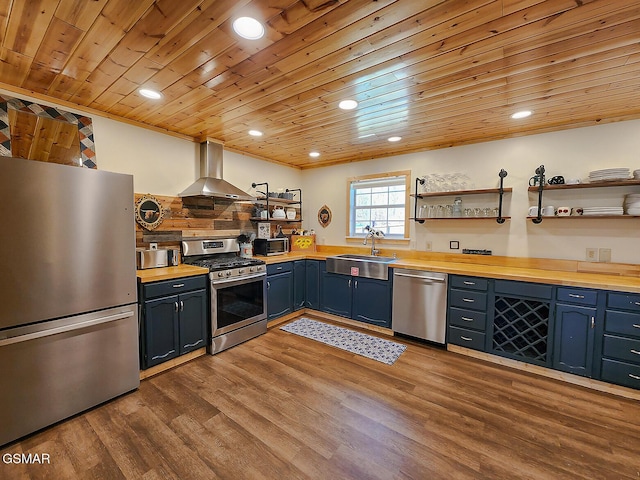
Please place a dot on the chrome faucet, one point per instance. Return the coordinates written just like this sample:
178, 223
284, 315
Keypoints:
373, 234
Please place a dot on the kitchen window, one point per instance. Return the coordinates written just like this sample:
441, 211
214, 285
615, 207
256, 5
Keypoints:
380, 201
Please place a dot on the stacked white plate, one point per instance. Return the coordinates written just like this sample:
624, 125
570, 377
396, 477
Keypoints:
593, 211
632, 204
636, 174
609, 174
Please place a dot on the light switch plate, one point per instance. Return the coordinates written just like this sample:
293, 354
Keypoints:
604, 255
592, 255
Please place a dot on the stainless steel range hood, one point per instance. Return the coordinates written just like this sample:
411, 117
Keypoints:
210, 183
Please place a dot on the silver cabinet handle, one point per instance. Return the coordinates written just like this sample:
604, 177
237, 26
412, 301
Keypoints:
189, 345
573, 295
635, 377
349, 283
593, 322
636, 352
355, 285
470, 300
268, 285
162, 356
635, 325
176, 306
178, 285
467, 339
421, 277
469, 283
181, 306
64, 329
467, 319
637, 303
278, 268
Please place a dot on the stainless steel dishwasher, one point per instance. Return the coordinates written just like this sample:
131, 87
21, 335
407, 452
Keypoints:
420, 304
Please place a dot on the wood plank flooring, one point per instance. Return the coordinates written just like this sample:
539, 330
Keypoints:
285, 407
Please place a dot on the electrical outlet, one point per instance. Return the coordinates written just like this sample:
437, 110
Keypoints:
428, 246
592, 254
604, 255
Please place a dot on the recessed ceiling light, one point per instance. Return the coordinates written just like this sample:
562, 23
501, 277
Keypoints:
255, 133
146, 92
248, 28
314, 154
521, 114
394, 139
348, 104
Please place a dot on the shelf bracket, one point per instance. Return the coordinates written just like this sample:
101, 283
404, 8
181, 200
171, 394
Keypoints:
540, 175
502, 174
419, 180
254, 185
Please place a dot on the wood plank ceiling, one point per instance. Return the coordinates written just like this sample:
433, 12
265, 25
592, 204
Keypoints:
436, 73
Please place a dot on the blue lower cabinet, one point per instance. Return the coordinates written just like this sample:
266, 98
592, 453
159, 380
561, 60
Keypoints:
574, 339
364, 299
279, 294
336, 294
312, 284
371, 301
299, 284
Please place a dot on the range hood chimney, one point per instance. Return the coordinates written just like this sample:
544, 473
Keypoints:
210, 183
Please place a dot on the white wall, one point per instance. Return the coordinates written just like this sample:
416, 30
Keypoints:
571, 153
165, 165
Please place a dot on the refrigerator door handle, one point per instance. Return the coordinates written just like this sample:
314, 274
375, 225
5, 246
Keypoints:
65, 328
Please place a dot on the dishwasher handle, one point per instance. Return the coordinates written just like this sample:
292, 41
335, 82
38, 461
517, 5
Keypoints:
434, 279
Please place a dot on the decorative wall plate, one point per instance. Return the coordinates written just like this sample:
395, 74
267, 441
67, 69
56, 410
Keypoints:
324, 216
149, 212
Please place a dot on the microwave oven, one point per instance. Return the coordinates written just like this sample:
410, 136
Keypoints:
270, 246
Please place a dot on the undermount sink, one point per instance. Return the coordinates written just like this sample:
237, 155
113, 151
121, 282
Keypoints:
367, 266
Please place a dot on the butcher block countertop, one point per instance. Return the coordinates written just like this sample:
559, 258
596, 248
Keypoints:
169, 273
621, 277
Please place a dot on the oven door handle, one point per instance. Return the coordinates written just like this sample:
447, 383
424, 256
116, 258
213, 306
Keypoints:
236, 279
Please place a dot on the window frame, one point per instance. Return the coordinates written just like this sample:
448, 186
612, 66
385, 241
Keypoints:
381, 176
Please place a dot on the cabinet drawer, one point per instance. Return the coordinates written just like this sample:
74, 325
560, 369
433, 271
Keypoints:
171, 287
468, 299
523, 289
626, 301
622, 322
279, 268
472, 283
621, 373
467, 318
622, 348
466, 338
577, 295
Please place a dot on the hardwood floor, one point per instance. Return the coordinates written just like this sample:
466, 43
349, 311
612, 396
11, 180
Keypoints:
284, 407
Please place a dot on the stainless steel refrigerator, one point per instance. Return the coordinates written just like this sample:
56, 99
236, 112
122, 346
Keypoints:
68, 316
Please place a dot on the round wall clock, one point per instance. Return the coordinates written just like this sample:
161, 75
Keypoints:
149, 212
324, 216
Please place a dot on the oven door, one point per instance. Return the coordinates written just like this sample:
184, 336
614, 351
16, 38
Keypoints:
237, 302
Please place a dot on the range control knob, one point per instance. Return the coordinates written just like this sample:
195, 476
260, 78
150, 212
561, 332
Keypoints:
240, 271
252, 269
228, 273
221, 274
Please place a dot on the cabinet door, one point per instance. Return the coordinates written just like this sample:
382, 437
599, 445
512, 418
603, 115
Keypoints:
372, 301
312, 287
193, 320
336, 294
574, 337
161, 330
299, 283
279, 295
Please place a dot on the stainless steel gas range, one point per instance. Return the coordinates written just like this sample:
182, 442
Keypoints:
238, 290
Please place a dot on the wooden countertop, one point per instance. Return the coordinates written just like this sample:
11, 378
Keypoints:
536, 275
473, 267
169, 273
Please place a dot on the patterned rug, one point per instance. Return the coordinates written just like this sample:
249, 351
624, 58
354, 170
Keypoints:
355, 342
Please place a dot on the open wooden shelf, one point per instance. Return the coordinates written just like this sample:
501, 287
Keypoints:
556, 217
620, 183
456, 193
429, 219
